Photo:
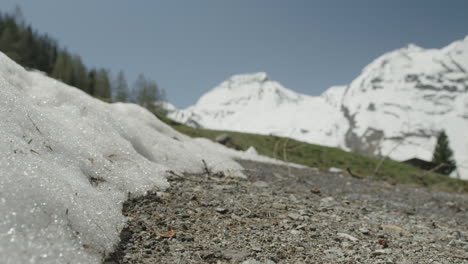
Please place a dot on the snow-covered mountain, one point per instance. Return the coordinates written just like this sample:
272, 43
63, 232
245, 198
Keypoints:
403, 99
396, 106
254, 103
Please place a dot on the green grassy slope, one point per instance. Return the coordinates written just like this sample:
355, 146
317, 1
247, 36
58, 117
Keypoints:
326, 157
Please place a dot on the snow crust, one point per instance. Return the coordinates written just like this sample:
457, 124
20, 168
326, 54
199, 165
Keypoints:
69, 161
396, 106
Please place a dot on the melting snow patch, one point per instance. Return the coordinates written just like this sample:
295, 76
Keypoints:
335, 170
69, 161
251, 150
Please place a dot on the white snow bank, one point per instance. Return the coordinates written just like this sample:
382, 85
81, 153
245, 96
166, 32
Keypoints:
68, 162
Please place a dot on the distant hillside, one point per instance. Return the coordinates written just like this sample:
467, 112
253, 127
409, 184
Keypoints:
323, 157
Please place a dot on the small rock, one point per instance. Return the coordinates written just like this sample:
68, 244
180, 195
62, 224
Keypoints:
223, 138
278, 176
207, 254
163, 195
148, 244
455, 242
184, 215
333, 253
301, 227
395, 229
221, 210
295, 216
257, 249
379, 252
161, 210
450, 204
198, 189
344, 235
335, 250
185, 237
251, 261
364, 231
235, 217
327, 201
278, 205
235, 256
260, 184
315, 190
456, 234
223, 187
295, 232
293, 198
304, 212
383, 242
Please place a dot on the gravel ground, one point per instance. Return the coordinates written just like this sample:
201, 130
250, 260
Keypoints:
287, 215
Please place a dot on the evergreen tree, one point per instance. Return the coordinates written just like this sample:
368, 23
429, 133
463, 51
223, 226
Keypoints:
147, 92
140, 90
80, 75
121, 88
92, 82
9, 37
46, 53
443, 154
59, 65
18, 16
63, 69
7, 43
102, 84
26, 46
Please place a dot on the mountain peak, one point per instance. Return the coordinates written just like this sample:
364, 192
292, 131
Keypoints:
256, 77
245, 89
413, 47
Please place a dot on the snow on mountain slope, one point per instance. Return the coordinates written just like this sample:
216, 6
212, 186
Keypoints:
397, 106
69, 161
256, 104
334, 95
403, 99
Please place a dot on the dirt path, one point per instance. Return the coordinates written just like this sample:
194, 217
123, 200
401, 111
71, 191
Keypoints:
282, 215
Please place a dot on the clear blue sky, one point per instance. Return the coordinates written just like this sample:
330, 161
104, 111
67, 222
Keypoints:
189, 46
